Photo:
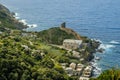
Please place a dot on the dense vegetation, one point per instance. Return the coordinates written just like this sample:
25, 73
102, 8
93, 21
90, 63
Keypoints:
112, 74
55, 36
26, 58
23, 56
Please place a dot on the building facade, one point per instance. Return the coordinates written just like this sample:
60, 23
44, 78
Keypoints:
72, 44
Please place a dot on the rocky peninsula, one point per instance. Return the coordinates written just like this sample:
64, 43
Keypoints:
35, 55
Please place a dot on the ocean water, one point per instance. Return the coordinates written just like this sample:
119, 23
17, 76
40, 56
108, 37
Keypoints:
99, 19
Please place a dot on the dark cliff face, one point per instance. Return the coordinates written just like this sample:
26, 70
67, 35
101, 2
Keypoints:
3, 8
8, 21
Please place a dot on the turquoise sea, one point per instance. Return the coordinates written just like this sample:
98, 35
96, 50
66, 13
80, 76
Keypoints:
98, 19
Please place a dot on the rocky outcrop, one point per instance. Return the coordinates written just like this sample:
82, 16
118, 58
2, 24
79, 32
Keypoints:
3, 8
7, 20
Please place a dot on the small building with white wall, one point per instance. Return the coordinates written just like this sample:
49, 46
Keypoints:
83, 78
69, 71
87, 71
73, 65
72, 44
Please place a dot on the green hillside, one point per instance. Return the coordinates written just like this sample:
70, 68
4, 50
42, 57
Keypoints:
111, 74
56, 35
26, 58
8, 21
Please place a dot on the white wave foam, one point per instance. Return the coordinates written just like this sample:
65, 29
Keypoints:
16, 16
96, 70
94, 64
114, 42
109, 46
29, 25
105, 46
32, 25
98, 40
23, 21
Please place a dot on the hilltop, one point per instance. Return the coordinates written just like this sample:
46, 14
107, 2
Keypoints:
56, 35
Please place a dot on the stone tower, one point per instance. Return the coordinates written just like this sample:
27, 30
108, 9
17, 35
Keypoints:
63, 25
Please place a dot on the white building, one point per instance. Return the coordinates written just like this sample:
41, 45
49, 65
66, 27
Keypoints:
88, 71
72, 44
83, 78
69, 71
76, 54
79, 69
64, 65
73, 65
80, 66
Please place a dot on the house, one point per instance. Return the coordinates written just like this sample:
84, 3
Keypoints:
87, 71
83, 78
80, 66
73, 65
76, 54
72, 44
79, 69
69, 71
64, 65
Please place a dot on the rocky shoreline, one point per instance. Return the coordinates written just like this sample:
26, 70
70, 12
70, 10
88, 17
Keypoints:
78, 50
83, 69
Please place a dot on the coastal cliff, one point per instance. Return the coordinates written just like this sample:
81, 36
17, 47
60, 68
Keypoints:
32, 56
7, 20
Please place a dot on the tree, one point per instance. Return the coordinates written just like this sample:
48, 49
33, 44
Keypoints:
111, 74
47, 62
